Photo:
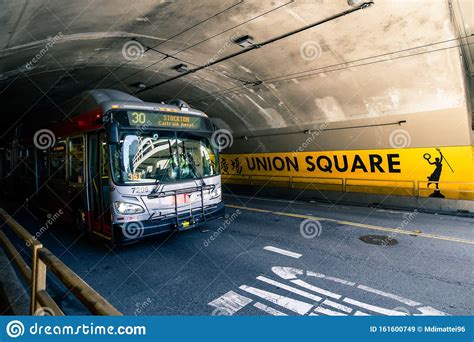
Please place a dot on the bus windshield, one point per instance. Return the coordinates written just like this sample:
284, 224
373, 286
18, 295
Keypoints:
162, 157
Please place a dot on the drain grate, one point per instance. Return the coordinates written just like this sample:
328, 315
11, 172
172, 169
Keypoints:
380, 240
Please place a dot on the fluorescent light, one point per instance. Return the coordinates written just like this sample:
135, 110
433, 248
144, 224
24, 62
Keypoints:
244, 41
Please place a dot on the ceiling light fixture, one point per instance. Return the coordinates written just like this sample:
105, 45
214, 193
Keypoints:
244, 41
139, 85
355, 3
181, 67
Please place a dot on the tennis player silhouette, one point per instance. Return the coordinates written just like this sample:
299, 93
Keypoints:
435, 176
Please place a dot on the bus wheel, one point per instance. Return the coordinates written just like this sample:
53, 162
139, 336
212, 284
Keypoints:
80, 221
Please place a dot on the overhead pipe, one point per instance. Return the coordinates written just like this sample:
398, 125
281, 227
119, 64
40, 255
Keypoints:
309, 131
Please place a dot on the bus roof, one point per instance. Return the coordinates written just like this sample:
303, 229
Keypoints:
107, 99
86, 110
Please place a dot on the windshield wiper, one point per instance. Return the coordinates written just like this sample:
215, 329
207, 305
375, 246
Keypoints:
157, 178
195, 169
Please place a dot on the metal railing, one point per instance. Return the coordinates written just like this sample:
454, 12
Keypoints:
412, 188
43, 260
463, 190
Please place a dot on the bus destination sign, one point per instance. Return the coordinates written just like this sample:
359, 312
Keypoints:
165, 120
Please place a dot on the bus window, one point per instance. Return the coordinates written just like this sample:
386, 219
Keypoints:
149, 158
30, 163
57, 156
197, 158
104, 173
76, 160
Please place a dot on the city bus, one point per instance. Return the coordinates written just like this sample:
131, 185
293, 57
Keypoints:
125, 169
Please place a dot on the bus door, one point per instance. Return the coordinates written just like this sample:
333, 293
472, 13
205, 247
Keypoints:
99, 189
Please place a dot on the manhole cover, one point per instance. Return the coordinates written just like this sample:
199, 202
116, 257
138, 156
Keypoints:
380, 240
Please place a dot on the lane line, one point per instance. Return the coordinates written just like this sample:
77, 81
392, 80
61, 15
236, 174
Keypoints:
316, 289
303, 216
429, 311
328, 312
289, 288
231, 302
291, 304
249, 209
337, 306
269, 310
337, 280
374, 308
360, 313
389, 295
283, 252
292, 273
287, 272
360, 225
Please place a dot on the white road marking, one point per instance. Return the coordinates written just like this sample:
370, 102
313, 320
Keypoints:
337, 306
290, 288
289, 303
360, 313
337, 280
286, 272
269, 310
292, 273
374, 308
429, 311
316, 289
328, 312
282, 251
389, 295
231, 302
391, 211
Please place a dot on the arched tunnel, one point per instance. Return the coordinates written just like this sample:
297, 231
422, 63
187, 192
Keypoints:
338, 132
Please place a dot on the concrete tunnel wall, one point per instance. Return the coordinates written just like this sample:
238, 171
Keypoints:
395, 61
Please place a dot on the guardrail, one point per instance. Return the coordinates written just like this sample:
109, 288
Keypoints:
412, 188
43, 260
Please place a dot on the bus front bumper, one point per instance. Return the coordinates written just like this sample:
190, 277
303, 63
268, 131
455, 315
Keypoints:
124, 233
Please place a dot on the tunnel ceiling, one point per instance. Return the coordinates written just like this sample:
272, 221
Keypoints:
360, 65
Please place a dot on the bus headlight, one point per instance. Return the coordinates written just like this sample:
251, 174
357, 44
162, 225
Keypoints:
216, 193
128, 208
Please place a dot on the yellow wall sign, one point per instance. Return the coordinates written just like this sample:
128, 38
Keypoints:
420, 171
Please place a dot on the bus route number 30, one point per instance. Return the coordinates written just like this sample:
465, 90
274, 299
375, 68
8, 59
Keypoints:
138, 118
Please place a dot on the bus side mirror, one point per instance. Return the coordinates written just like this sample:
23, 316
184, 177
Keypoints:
113, 133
